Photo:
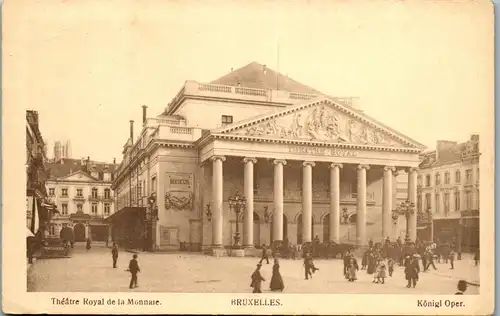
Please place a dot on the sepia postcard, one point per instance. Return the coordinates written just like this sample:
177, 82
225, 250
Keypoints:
253, 157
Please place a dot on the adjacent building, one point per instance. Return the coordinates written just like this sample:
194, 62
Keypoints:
449, 191
81, 188
308, 165
62, 149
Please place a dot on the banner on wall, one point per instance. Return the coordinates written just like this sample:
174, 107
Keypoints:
179, 189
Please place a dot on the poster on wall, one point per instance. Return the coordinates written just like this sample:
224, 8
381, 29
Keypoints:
179, 191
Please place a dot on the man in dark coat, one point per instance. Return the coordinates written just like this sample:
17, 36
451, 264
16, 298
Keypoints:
257, 280
114, 254
309, 267
347, 259
462, 287
265, 255
412, 270
133, 267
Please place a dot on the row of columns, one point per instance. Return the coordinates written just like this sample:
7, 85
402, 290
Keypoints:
389, 201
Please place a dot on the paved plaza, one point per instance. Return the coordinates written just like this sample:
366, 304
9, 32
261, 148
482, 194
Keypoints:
91, 271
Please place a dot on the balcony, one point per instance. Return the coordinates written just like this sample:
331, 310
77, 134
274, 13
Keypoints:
108, 198
64, 196
94, 198
193, 88
79, 198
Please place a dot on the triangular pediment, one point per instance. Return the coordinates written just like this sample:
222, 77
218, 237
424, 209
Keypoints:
320, 120
79, 176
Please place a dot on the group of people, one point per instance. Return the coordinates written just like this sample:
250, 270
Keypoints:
276, 283
133, 266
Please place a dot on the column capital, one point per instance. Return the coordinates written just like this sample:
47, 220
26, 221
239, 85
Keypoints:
308, 163
411, 169
336, 165
367, 167
249, 159
279, 161
390, 168
221, 158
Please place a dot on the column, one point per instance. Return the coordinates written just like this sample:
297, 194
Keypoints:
361, 211
217, 196
110, 234
278, 199
387, 201
248, 218
87, 231
395, 174
335, 202
307, 201
412, 197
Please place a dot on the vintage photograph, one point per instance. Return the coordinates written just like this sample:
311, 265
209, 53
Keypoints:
264, 148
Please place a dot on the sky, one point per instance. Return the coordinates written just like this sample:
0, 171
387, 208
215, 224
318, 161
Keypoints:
422, 68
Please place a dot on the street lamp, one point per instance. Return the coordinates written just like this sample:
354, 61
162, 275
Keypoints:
237, 203
406, 209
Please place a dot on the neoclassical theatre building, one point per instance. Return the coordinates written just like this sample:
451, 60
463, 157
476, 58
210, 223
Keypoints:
308, 165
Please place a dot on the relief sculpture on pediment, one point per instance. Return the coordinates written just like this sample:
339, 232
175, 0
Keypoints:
320, 124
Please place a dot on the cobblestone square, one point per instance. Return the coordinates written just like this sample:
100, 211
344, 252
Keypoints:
91, 271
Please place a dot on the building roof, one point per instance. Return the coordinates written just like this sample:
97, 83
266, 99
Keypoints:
450, 152
67, 166
258, 76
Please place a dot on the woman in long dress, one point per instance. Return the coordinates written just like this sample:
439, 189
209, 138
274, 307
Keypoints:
352, 267
276, 283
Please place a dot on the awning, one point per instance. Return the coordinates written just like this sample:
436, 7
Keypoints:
126, 211
29, 233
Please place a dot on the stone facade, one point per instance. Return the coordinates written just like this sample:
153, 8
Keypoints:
307, 164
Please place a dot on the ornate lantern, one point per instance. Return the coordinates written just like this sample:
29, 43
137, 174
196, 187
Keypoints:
237, 203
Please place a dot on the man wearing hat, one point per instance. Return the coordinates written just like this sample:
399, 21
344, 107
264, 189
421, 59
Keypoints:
412, 270
462, 287
133, 267
257, 280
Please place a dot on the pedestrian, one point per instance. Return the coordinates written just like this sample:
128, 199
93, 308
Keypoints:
364, 260
352, 267
430, 260
276, 283
381, 273
347, 260
89, 242
390, 264
309, 267
452, 259
462, 287
411, 271
114, 254
257, 280
372, 264
133, 268
476, 256
265, 254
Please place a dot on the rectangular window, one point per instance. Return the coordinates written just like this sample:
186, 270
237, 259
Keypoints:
447, 178
106, 209
107, 193
457, 201
52, 191
79, 192
427, 202
64, 192
153, 184
428, 180
468, 175
437, 204
64, 209
227, 119
457, 176
94, 208
79, 207
446, 203
438, 178
94, 193
468, 200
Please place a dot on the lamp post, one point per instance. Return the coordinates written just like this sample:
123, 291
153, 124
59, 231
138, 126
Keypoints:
151, 218
406, 209
237, 203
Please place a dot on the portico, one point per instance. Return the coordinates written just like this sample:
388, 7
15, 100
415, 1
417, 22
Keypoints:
308, 167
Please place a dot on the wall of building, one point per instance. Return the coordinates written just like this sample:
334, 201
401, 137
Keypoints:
213, 111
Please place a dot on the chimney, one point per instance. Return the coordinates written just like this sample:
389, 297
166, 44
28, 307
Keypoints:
88, 160
474, 138
114, 161
231, 69
144, 107
264, 69
82, 161
132, 131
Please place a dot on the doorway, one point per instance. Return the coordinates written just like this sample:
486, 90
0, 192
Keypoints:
79, 230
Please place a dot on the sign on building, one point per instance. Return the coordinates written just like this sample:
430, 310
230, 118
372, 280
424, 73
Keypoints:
179, 189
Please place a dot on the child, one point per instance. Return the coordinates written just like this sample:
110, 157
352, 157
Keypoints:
381, 273
352, 267
390, 263
376, 272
